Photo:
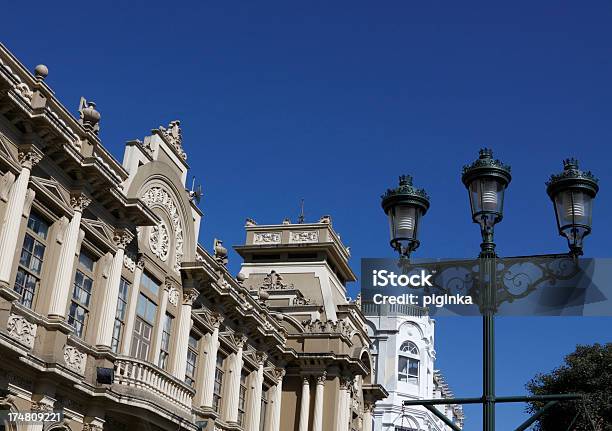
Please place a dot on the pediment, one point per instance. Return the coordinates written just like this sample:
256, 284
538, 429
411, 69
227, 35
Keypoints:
100, 229
53, 190
7, 149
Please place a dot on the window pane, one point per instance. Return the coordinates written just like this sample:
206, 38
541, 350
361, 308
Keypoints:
86, 261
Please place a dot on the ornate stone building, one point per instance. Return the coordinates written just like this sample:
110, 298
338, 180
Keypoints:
112, 314
403, 350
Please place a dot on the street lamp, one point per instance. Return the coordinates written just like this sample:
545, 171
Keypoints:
486, 180
405, 205
572, 192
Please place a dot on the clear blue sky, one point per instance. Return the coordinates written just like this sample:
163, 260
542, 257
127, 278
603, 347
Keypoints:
331, 101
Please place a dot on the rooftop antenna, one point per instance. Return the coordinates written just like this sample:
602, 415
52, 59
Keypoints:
301, 217
195, 194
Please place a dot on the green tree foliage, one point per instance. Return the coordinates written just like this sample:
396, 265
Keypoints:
587, 371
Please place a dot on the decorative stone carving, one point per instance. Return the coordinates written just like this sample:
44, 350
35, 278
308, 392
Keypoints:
214, 319
24, 91
267, 238
300, 300
173, 296
261, 357
326, 219
122, 237
74, 359
250, 222
129, 263
156, 196
159, 241
317, 326
78, 201
21, 330
29, 156
174, 136
220, 252
42, 406
89, 117
239, 339
274, 281
6, 181
303, 237
189, 296
322, 378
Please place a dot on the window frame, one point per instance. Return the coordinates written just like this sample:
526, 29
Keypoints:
87, 274
218, 383
164, 346
409, 353
242, 398
119, 325
191, 370
28, 272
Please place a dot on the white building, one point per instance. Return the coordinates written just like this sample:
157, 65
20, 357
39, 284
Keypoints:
404, 356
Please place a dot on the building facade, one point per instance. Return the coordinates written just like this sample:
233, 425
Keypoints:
112, 313
404, 354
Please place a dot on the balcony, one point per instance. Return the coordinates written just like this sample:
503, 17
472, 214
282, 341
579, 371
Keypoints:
143, 380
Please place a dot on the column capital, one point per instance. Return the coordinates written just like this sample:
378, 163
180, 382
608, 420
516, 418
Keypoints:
305, 379
368, 406
345, 382
42, 404
321, 378
215, 319
261, 357
279, 373
29, 156
78, 200
240, 339
189, 296
122, 237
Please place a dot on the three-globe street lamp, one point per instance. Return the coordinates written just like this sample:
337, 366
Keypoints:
486, 179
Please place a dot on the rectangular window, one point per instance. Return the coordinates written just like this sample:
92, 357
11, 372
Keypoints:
124, 288
164, 352
242, 399
81, 294
143, 327
192, 360
264, 409
150, 283
217, 390
31, 260
408, 370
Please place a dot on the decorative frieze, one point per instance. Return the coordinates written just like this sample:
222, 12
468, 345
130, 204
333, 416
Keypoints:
274, 281
74, 359
21, 330
328, 326
267, 238
303, 237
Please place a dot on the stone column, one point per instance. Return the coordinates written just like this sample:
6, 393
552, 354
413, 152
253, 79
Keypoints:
343, 405
368, 408
64, 273
104, 334
233, 383
254, 406
178, 358
207, 384
130, 316
275, 412
163, 305
305, 404
317, 418
9, 230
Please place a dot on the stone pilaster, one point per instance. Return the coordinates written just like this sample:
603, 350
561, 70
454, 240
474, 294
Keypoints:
206, 385
60, 291
179, 354
276, 402
254, 406
40, 404
104, 334
304, 404
342, 423
130, 316
9, 229
368, 409
233, 386
317, 418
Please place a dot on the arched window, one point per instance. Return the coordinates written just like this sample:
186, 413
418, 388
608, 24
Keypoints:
408, 363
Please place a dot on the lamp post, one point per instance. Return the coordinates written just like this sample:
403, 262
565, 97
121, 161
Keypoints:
486, 180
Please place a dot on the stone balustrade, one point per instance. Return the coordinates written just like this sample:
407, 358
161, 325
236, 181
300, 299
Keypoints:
137, 374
